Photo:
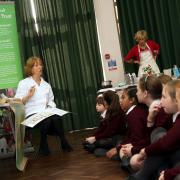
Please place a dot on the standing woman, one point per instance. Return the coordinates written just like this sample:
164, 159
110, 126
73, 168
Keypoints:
36, 95
144, 53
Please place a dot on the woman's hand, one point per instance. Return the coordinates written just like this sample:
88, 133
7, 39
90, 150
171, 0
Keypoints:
31, 91
136, 62
91, 139
29, 95
155, 53
130, 61
111, 152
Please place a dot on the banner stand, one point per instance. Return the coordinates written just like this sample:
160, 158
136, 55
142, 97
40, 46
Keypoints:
21, 161
11, 72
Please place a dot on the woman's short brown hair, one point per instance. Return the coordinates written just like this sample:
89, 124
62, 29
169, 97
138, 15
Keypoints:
141, 34
30, 63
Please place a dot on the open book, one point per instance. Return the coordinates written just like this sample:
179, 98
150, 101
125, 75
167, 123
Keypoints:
36, 118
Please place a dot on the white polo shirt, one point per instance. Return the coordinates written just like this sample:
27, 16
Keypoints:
42, 97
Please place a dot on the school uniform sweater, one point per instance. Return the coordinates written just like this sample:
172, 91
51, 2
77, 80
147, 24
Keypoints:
109, 127
168, 143
170, 174
137, 133
163, 120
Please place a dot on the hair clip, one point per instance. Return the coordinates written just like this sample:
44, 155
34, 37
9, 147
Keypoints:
146, 78
145, 81
100, 95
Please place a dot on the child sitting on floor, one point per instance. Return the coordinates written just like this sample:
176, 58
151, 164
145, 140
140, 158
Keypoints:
135, 139
111, 126
165, 150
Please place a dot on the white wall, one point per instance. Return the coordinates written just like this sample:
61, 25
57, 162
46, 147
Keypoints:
108, 39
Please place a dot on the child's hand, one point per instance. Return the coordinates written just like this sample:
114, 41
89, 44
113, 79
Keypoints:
126, 149
91, 140
136, 162
111, 152
127, 145
153, 111
161, 177
142, 154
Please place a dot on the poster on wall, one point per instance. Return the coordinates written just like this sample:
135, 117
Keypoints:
112, 65
10, 63
11, 131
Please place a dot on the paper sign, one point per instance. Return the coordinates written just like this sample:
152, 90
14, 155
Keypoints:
112, 64
36, 118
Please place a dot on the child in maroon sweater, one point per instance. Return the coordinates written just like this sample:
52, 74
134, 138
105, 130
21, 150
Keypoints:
136, 115
164, 151
113, 124
170, 174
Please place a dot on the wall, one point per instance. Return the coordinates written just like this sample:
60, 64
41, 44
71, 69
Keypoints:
109, 40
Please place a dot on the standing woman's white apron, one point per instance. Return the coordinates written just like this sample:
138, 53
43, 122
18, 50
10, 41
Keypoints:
146, 58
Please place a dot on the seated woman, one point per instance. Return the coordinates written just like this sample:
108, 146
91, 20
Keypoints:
36, 94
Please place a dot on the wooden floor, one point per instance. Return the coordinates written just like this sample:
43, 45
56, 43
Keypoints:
76, 165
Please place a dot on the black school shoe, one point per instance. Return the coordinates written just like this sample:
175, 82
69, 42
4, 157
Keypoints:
44, 150
65, 146
88, 147
125, 165
130, 178
125, 162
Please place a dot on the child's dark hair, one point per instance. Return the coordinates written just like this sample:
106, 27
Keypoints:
100, 99
152, 85
112, 100
131, 92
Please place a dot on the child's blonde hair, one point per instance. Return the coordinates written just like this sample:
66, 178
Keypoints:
173, 88
177, 89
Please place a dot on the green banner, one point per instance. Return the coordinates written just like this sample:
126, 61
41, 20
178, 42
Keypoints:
10, 63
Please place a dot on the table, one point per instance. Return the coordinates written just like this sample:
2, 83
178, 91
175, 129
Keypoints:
115, 89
